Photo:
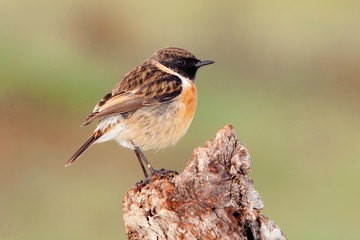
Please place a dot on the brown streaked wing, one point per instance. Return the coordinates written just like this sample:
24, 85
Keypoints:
143, 90
136, 78
115, 105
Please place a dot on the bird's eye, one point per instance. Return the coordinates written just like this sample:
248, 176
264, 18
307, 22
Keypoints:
181, 62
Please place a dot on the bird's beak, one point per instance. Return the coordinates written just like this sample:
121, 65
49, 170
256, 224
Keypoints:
203, 63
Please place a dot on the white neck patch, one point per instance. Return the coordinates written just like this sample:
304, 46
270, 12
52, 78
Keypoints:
185, 81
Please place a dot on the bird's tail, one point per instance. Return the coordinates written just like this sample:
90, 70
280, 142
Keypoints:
95, 136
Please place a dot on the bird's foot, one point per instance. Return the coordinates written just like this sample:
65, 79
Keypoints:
162, 173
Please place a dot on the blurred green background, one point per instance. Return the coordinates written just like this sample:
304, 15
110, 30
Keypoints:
287, 77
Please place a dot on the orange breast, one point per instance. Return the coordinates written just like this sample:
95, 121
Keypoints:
188, 98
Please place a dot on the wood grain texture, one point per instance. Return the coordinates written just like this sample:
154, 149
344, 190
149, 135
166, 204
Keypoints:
211, 199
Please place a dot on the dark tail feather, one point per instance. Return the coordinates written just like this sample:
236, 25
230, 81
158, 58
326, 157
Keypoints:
95, 136
89, 119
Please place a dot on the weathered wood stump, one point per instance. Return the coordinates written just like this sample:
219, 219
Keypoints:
211, 199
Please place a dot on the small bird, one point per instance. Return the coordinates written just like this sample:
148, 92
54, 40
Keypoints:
151, 107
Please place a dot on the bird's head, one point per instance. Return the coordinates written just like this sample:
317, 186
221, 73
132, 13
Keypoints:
180, 61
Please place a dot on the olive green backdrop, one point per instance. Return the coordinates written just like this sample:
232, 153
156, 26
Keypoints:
287, 77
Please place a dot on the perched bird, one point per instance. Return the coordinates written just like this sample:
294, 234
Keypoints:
151, 107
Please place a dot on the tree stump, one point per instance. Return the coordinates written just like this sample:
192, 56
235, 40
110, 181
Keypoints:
211, 199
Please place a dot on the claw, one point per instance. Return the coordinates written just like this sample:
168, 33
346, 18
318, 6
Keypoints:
162, 173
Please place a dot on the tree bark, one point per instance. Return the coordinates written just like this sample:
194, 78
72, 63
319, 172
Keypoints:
211, 199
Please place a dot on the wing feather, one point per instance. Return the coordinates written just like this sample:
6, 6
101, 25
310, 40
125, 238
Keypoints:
142, 87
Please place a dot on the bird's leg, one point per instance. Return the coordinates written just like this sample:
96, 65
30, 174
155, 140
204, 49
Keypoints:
162, 172
152, 170
140, 161
141, 157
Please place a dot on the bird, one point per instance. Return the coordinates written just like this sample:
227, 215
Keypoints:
151, 107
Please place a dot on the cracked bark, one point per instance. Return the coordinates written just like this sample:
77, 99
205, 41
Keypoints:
211, 199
